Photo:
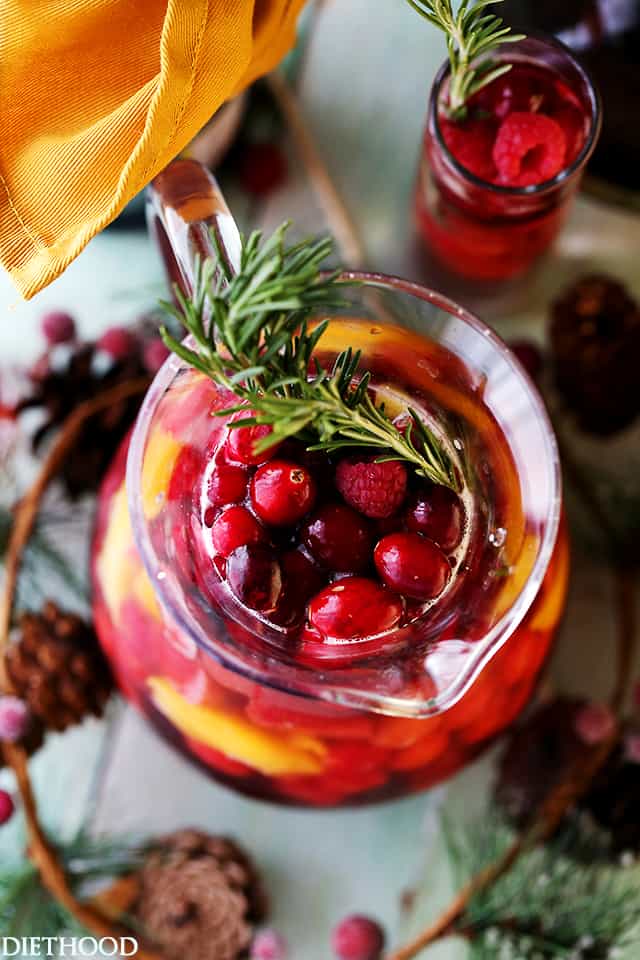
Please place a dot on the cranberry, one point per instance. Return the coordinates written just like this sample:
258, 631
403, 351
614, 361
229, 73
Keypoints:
254, 576
357, 938
14, 719
338, 538
529, 355
354, 608
375, 489
118, 342
437, 513
241, 441
58, 327
227, 484
154, 354
282, 492
185, 474
301, 578
412, 565
235, 527
6, 807
263, 167
268, 944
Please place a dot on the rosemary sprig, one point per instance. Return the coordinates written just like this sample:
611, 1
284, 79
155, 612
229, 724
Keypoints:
251, 333
471, 33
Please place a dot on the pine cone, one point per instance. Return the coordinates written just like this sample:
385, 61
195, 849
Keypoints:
57, 667
595, 340
199, 897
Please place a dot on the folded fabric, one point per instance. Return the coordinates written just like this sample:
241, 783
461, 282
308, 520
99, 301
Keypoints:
98, 95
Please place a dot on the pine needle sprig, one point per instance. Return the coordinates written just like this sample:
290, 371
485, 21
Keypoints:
472, 33
252, 333
555, 903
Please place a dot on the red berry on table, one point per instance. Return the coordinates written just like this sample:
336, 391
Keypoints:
262, 168
357, 938
227, 484
58, 327
354, 608
282, 492
154, 354
338, 538
530, 148
529, 355
436, 512
118, 342
594, 723
14, 719
241, 441
254, 576
412, 565
235, 527
7, 807
268, 944
374, 489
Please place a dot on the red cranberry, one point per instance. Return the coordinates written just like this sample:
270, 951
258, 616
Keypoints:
14, 719
253, 574
154, 354
357, 938
436, 512
118, 342
268, 944
338, 538
6, 807
375, 489
241, 441
412, 565
301, 578
235, 527
58, 327
282, 492
529, 355
185, 474
227, 484
354, 608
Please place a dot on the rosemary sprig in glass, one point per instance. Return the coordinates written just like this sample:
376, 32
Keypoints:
252, 333
471, 34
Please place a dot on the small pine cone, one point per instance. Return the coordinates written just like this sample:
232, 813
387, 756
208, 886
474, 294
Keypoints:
57, 667
199, 897
595, 340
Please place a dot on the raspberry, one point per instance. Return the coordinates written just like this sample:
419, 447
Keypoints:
374, 489
471, 143
530, 148
357, 938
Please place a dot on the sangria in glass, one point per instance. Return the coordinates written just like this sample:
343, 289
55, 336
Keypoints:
322, 629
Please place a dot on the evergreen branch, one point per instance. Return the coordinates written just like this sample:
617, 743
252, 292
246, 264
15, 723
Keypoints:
471, 33
251, 334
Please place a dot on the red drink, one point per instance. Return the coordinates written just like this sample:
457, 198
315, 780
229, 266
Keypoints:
494, 188
277, 622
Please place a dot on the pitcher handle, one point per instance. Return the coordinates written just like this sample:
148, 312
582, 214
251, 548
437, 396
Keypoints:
184, 207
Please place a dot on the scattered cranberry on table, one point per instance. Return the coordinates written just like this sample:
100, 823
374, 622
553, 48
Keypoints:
154, 354
357, 938
268, 944
118, 343
7, 807
58, 327
14, 718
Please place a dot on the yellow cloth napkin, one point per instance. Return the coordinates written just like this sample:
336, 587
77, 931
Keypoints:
97, 96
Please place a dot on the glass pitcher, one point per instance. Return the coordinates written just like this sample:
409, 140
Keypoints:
262, 702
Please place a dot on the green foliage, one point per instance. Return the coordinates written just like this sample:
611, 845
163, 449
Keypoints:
472, 33
556, 903
250, 333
